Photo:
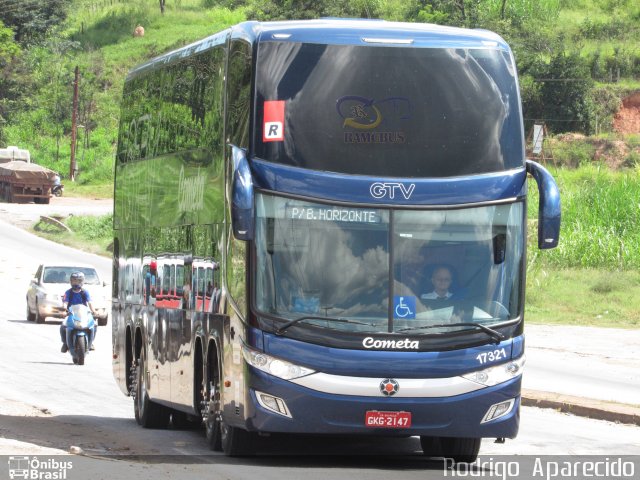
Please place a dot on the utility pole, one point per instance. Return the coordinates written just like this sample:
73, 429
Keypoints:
74, 127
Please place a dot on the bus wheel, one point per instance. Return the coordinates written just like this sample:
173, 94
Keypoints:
431, 446
148, 414
183, 421
213, 412
461, 450
236, 442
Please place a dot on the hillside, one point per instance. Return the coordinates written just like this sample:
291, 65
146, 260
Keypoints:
579, 62
627, 119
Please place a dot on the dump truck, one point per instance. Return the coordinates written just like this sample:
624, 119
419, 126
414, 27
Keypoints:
22, 182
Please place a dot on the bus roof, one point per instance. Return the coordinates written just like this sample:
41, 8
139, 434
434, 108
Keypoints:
363, 32
339, 31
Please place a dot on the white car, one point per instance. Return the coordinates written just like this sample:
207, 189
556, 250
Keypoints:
46, 290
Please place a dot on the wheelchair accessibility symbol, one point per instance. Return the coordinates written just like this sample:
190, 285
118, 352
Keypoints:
404, 306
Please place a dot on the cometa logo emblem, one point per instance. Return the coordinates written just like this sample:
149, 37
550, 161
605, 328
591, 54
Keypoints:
389, 387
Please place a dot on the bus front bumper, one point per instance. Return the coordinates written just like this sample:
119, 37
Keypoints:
310, 411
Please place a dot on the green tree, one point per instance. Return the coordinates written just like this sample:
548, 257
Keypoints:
31, 20
9, 60
8, 48
564, 98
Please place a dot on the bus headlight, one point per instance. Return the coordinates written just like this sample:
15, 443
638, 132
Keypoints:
494, 375
274, 366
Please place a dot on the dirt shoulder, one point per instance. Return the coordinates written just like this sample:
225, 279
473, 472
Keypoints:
24, 215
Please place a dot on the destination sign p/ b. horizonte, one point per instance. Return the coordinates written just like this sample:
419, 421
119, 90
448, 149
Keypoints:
332, 214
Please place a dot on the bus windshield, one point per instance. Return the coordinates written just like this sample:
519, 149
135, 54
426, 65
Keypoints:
382, 270
391, 112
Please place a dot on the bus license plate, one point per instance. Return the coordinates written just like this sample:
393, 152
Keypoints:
374, 418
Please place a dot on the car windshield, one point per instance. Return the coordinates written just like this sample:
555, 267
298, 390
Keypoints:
423, 271
62, 274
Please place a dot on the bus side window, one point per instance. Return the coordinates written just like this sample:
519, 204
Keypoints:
172, 281
179, 280
165, 279
239, 93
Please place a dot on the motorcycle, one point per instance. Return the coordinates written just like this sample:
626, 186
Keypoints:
58, 187
57, 190
80, 328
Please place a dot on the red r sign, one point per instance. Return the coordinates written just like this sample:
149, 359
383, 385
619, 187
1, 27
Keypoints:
273, 130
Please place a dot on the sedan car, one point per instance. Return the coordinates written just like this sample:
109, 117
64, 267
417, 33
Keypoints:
46, 290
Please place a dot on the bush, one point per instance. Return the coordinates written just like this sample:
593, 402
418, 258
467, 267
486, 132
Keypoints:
91, 228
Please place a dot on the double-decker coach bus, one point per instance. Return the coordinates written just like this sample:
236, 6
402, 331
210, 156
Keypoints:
337, 209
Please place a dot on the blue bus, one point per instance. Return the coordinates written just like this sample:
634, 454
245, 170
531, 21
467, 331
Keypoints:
320, 227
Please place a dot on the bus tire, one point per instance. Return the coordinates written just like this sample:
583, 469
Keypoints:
459, 449
462, 450
431, 446
148, 414
236, 442
213, 414
183, 421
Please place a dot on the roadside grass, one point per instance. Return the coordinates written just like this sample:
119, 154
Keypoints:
88, 233
97, 191
584, 297
600, 220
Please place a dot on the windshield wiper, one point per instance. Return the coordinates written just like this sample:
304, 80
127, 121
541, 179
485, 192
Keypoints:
282, 329
496, 336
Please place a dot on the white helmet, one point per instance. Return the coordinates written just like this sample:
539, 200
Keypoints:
76, 279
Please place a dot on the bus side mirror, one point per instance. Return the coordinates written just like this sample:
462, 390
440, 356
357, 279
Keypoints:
241, 196
549, 206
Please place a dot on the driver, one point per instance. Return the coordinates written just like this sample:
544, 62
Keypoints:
441, 280
441, 296
76, 295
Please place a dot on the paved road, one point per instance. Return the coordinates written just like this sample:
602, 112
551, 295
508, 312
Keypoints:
598, 363
48, 405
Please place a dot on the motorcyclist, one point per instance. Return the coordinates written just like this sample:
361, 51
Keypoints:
74, 296
57, 185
